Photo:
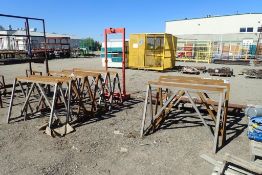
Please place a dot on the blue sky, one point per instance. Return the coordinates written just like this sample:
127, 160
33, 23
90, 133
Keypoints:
89, 17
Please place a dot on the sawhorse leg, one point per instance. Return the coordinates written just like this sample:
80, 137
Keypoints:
11, 101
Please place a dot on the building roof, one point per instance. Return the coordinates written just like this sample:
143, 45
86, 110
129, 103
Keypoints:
215, 16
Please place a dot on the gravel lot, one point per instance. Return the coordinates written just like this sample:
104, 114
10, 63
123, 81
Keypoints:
94, 148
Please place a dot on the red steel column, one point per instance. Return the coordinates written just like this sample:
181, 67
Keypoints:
106, 61
124, 62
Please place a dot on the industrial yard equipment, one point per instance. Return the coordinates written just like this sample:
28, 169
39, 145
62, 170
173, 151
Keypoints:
253, 73
174, 90
2, 89
88, 89
153, 51
115, 52
190, 70
28, 37
194, 51
56, 47
108, 31
223, 72
40, 83
79, 92
259, 45
111, 83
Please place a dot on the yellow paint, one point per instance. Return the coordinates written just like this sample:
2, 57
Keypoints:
152, 51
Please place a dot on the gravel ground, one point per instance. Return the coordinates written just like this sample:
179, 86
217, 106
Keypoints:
94, 148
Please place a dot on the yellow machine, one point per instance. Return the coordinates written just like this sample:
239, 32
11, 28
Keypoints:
155, 51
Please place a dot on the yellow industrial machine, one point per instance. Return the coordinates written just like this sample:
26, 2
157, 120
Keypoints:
155, 51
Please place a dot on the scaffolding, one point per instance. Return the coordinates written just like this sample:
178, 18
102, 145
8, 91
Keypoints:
194, 51
259, 46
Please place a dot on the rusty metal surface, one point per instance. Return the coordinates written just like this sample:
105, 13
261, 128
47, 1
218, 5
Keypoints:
223, 72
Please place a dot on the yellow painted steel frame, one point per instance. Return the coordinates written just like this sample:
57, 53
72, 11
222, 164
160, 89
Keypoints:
200, 55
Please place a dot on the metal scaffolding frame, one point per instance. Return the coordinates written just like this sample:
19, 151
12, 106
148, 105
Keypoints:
121, 31
28, 36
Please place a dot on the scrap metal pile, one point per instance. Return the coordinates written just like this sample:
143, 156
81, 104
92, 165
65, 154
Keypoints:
190, 70
223, 72
252, 73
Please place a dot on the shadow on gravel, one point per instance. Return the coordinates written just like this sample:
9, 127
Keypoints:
103, 115
187, 118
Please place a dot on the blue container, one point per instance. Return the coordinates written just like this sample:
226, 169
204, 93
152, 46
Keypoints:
112, 49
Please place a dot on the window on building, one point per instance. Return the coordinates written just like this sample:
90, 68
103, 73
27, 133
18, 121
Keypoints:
242, 29
250, 29
259, 29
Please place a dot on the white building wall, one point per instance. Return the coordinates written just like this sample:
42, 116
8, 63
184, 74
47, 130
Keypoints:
214, 25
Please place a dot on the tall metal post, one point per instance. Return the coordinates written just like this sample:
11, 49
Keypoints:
29, 44
46, 57
258, 42
106, 61
124, 62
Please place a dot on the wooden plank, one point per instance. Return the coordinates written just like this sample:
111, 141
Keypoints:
186, 86
194, 80
144, 112
172, 77
11, 101
43, 79
199, 83
52, 107
97, 71
216, 131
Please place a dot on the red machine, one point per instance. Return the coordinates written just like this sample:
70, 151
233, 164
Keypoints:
118, 31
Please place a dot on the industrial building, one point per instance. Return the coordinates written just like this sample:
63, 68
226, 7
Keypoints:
229, 36
250, 23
